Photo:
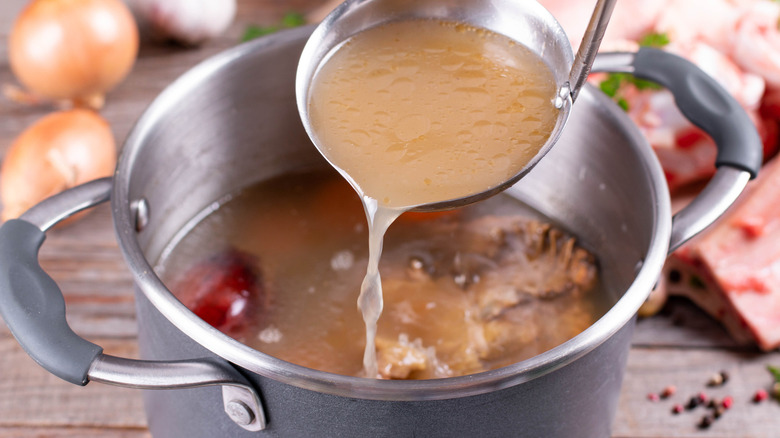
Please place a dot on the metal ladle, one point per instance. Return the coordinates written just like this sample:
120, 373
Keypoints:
524, 21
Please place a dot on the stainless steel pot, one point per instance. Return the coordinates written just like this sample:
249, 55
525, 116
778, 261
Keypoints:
232, 121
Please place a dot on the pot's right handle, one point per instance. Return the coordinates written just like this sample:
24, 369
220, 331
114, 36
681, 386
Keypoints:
707, 105
33, 308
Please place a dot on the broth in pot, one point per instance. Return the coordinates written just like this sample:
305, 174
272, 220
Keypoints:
279, 266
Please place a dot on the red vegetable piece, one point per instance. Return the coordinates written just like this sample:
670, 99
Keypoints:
225, 290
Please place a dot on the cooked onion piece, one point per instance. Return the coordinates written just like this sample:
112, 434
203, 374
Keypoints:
59, 151
73, 50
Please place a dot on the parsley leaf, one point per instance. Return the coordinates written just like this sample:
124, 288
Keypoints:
611, 85
654, 39
643, 84
614, 81
293, 19
775, 372
252, 32
290, 20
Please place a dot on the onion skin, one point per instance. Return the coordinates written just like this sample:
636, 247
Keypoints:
59, 151
73, 49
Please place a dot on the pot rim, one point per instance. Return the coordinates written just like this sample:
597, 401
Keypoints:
357, 387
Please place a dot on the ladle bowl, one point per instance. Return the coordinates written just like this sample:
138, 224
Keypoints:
525, 22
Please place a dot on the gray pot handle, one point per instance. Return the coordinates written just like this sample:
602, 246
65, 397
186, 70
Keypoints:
707, 105
33, 308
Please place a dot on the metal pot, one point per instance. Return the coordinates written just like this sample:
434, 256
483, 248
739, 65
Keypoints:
232, 121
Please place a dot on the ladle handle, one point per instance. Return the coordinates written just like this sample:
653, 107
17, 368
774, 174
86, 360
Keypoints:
710, 107
589, 47
33, 308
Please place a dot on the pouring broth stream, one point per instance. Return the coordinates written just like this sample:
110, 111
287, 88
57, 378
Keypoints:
423, 111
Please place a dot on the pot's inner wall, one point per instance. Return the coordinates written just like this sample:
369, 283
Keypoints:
232, 123
219, 129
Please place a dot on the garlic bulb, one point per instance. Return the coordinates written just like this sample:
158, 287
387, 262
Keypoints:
189, 22
319, 13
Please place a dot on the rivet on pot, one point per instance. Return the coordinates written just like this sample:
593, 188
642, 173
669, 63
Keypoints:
140, 209
239, 412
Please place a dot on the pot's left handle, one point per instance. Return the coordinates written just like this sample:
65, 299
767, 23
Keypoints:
33, 308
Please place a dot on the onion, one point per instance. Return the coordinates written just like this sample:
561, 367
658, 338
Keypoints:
73, 49
189, 22
57, 152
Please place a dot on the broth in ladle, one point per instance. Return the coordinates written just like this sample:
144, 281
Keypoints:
421, 111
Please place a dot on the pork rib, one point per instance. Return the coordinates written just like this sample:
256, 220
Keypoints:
732, 270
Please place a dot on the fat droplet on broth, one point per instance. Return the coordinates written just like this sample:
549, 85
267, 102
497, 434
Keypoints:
412, 126
386, 54
464, 136
357, 67
378, 79
402, 86
407, 67
452, 64
470, 76
475, 96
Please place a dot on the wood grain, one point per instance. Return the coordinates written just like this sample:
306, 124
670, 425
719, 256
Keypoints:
34, 398
72, 432
681, 346
652, 369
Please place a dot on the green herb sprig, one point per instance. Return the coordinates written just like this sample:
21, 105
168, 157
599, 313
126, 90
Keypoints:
615, 81
288, 21
656, 40
774, 370
776, 387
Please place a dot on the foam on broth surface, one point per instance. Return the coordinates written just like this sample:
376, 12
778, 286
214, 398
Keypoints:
465, 291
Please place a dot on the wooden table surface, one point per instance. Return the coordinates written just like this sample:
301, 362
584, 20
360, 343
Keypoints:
680, 347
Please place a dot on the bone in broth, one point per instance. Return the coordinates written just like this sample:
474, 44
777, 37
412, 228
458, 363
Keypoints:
278, 267
424, 111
